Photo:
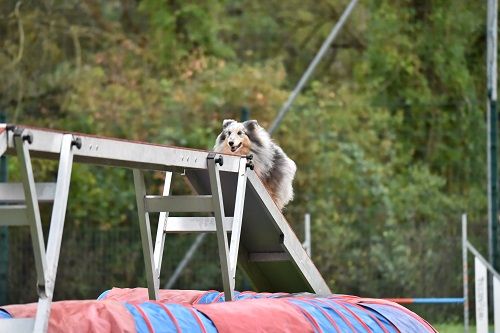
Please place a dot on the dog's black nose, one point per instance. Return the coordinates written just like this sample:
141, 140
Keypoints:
231, 143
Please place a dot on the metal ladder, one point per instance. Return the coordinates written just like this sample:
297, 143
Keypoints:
219, 223
21, 209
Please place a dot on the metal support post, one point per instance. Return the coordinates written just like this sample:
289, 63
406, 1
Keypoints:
21, 139
56, 230
307, 234
492, 118
59, 208
238, 218
213, 172
45, 262
146, 239
465, 272
160, 232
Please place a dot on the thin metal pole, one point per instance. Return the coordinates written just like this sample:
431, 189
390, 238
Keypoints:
238, 218
160, 232
492, 117
4, 236
465, 272
145, 229
215, 186
307, 234
33, 212
56, 231
312, 66
59, 209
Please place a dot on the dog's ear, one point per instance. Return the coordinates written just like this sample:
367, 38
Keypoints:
250, 125
227, 122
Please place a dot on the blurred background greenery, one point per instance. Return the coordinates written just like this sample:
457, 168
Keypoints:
389, 137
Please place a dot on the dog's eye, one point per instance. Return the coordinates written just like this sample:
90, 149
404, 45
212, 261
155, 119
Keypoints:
228, 133
240, 133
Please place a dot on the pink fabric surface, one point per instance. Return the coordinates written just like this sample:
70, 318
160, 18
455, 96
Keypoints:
140, 295
256, 315
81, 316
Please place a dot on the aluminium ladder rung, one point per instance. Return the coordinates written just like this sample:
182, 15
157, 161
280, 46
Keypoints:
178, 203
14, 215
17, 325
195, 224
13, 193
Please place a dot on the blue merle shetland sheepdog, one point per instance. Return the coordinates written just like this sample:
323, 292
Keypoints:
272, 165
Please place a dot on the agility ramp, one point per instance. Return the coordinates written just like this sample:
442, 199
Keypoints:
233, 200
229, 193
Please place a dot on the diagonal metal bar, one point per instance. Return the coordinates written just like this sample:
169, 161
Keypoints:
213, 172
160, 232
146, 239
56, 231
59, 207
307, 74
238, 217
33, 211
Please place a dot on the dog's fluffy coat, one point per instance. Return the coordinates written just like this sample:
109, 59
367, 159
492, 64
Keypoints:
272, 165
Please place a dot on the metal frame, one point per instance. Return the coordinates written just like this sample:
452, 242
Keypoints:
219, 223
146, 239
160, 232
23, 209
26, 212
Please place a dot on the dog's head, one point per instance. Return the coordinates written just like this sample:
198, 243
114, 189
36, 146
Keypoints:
235, 137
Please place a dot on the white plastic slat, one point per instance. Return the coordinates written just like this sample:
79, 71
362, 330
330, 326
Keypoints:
14, 192
195, 224
18, 325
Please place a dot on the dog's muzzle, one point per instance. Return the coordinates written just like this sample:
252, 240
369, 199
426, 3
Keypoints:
235, 148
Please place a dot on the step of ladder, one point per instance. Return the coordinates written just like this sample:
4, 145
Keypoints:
269, 251
19, 206
210, 203
13, 211
13, 193
17, 325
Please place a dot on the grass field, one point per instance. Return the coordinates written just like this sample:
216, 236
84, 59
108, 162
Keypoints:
452, 328
455, 328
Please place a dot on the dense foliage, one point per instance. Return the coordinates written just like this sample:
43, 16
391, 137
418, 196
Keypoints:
389, 137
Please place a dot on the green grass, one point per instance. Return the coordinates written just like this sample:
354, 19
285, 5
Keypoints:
456, 328
452, 328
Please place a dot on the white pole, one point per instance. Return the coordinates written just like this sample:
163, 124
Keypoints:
307, 234
481, 286
465, 272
